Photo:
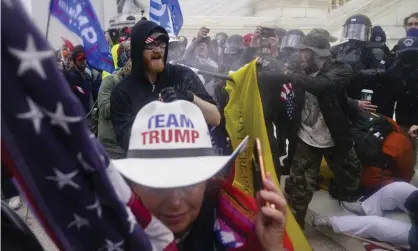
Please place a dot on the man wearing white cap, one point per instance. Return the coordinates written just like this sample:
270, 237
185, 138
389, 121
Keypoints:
169, 162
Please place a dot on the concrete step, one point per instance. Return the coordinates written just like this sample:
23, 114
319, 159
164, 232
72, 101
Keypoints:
320, 241
323, 205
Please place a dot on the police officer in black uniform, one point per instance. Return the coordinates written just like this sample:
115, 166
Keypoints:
405, 71
354, 50
377, 81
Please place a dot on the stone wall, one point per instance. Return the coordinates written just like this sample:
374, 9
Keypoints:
242, 16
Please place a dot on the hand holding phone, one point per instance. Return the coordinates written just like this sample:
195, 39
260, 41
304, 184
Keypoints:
203, 32
268, 32
258, 156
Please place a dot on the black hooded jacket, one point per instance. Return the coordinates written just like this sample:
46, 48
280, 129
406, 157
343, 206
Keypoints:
135, 91
329, 86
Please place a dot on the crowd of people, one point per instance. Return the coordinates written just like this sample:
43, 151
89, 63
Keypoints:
328, 102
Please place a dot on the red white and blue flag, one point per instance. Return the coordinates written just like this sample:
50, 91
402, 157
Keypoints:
64, 173
79, 17
287, 95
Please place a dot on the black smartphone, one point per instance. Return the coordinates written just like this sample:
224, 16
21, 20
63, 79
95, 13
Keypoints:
267, 32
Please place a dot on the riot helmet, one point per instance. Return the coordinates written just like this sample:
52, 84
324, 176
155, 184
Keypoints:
357, 27
280, 33
292, 39
234, 45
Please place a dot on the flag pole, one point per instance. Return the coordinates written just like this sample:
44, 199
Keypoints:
49, 20
47, 25
215, 75
209, 73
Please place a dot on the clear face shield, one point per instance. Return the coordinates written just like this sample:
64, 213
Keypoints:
360, 32
290, 41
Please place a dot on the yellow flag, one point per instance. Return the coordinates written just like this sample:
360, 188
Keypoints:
244, 116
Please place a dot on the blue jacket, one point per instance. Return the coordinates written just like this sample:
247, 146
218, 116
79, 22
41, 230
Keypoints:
75, 79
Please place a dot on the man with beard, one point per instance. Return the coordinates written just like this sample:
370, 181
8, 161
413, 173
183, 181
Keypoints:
152, 79
316, 121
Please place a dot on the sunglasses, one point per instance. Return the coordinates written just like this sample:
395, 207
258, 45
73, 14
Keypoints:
154, 45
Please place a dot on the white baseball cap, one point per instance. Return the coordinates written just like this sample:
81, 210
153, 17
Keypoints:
170, 146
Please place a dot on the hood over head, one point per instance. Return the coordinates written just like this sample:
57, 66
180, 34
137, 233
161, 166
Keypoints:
139, 34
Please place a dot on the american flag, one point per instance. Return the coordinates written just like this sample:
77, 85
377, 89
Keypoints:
82, 203
288, 97
149, 40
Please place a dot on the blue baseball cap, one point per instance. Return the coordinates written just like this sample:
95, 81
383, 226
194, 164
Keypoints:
378, 34
407, 44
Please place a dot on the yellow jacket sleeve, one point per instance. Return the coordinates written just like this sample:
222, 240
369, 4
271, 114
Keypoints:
115, 55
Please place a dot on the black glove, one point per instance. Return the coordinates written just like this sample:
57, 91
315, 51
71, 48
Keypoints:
169, 94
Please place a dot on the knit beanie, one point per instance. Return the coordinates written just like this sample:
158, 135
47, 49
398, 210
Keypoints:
378, 35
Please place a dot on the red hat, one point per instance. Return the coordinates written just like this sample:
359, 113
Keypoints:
247, 39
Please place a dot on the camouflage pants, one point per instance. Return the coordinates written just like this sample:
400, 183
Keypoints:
304, 173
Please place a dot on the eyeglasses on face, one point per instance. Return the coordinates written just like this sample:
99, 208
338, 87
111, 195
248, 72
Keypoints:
156, 44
